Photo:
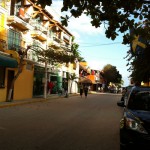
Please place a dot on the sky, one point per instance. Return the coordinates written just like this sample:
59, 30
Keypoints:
94, 47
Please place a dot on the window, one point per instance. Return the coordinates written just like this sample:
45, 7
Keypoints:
14, 40
2, 77
140, 101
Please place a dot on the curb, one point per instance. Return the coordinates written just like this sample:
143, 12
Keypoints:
30, 101
16, 103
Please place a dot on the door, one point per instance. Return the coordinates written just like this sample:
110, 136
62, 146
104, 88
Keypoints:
10, 77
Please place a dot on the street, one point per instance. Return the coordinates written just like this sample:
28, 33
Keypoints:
72, 123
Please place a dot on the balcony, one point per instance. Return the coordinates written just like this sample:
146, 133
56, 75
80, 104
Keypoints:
41, 28
54, 43
38, 26
66, 47
31, 56
39, 32
18, 23
20, 20
56, 39
14, 47
38, 35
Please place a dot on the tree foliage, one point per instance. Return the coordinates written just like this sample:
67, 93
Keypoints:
76, 52
139, 65
53, 55
111, 74
116, 15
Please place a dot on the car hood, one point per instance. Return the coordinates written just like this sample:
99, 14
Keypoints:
143, 117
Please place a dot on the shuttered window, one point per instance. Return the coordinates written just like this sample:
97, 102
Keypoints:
2, 77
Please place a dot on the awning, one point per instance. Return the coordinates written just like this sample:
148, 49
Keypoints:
8, 62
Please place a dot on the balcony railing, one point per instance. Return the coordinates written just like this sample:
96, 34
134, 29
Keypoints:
20, 20
58, 40
41, 28
18, 23
16, 47
38, 35
38, 26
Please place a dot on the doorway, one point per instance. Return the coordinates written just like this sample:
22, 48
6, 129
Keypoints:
10, 77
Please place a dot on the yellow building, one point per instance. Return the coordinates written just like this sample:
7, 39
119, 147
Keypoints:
23, 24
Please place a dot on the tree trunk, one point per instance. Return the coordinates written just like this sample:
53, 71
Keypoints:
45, 84
20, 67
12, 86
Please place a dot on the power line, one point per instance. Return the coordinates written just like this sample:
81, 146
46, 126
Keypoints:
101, 44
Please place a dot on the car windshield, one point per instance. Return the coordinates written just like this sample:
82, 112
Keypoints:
139, 101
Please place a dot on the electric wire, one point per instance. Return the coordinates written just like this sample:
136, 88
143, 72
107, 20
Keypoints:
94, 45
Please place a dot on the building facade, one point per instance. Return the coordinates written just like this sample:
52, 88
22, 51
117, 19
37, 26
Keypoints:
24, 24
89, 76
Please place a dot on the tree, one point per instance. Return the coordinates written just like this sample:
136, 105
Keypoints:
76, 52
19, 71
117, 15
52, 56
111, 74
49, 55
139, 65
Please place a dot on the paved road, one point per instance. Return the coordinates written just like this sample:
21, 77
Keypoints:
62, 124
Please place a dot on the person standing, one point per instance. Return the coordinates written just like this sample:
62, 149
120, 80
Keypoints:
66, 88
81, 89
123, 93
85, 91
50, 87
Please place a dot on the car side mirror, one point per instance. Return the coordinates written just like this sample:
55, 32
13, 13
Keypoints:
121, 104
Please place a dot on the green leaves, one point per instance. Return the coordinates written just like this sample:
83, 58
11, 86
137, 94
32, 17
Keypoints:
43, 3
117, 14
111, 74
64, 21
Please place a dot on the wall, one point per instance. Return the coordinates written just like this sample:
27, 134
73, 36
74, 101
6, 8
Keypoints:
2, 94
3, 91
23, 88
74, 88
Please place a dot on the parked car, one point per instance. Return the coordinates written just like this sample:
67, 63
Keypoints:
125, 93
135, 122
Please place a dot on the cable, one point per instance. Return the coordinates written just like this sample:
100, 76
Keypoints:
102, 44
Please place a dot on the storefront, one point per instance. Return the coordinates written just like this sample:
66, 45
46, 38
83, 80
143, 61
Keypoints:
38, 81
57, 81
6, 76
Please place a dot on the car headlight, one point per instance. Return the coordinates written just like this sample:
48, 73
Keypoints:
134, 125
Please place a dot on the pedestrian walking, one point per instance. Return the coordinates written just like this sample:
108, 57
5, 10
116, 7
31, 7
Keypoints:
81, 89
61, 91
66, 89
85, 91
123, 93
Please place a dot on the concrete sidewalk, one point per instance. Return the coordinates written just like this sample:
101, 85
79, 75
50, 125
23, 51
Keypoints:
32, 100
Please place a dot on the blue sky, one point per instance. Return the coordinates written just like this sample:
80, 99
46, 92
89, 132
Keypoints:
94, 47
